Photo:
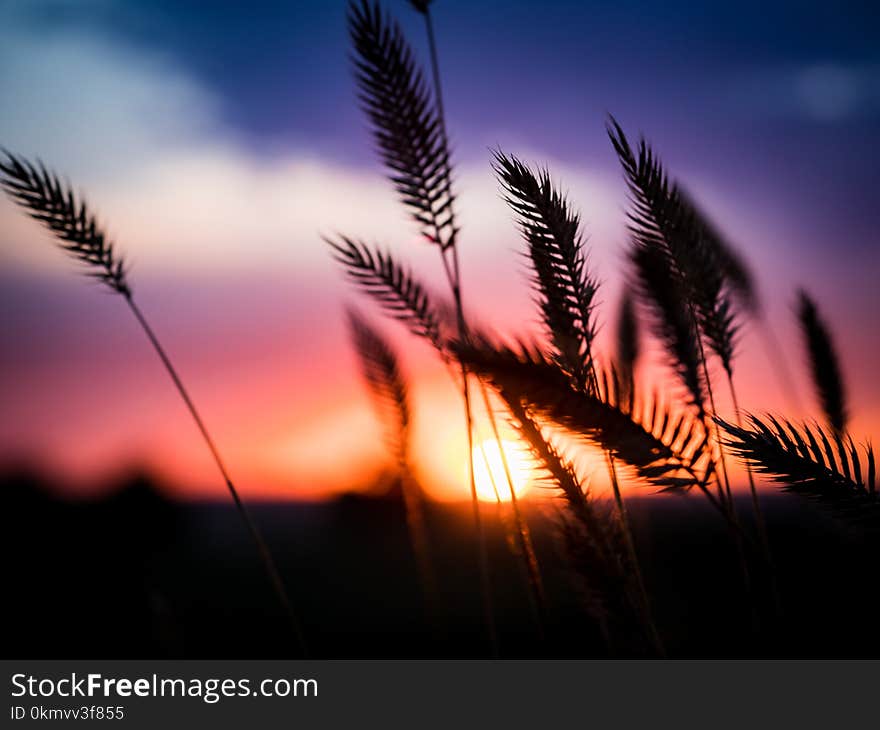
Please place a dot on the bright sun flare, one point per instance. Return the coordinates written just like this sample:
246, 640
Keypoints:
489, 473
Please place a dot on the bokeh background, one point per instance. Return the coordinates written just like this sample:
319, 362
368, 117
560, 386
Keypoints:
220, 141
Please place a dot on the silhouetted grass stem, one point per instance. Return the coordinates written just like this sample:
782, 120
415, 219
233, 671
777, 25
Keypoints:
760, 522
453, 274
523, 534
262, 548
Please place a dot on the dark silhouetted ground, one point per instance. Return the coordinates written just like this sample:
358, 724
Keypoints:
135, 575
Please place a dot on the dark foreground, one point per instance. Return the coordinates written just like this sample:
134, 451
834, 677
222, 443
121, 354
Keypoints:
135, 575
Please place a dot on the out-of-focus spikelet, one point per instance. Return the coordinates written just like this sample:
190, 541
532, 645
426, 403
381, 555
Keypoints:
627, 348
382, 373
824, 362
712, 278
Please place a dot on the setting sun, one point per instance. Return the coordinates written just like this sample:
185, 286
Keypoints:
489, 469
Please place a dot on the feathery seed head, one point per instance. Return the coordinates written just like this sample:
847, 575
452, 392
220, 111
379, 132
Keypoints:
54, 204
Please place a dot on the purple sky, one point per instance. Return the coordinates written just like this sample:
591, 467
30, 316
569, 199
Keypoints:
219, 146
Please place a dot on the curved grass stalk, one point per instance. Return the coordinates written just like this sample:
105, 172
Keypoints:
453, 273
523, 534
390, 391
566, 294
813, 461
411, 138
760, 522
56, 206
824, 363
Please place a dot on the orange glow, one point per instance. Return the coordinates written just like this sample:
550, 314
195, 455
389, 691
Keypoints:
265, 353
490, 474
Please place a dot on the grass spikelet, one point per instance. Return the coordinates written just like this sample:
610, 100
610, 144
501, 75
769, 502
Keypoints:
663, 218
594, 537
44, 197
382, 373
669, 451
68, 218
388, 386
627, 349
410, 134
672, 321
392, 286
407, 125
824, 362
566, 290
804, 461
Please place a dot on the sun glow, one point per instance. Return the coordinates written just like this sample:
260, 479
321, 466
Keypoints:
489, 469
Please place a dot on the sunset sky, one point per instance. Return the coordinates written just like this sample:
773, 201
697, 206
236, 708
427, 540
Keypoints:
219, 147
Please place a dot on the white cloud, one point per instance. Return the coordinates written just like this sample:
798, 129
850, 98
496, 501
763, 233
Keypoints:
146, 142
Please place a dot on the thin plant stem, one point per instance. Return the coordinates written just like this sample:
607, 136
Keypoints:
509, 529
731, 507
415, 522
780, 366
453, 274
708, 424
482, 551
262, 548
644, 600
530, 559
756, 504
492, 478
529, 556
759, 514
482, 554
510, 534
713, 429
